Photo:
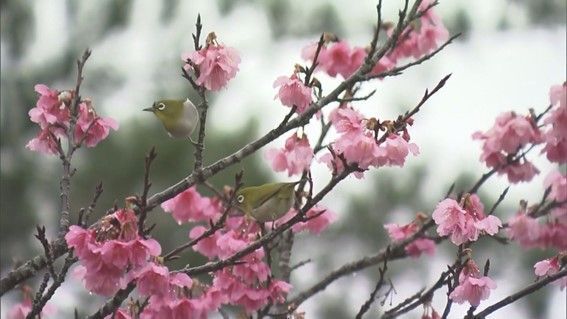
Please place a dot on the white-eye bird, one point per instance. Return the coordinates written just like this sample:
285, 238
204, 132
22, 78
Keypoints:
266, 202
179, 118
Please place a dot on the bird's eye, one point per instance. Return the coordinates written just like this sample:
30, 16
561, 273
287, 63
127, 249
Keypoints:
240, 198
161, 107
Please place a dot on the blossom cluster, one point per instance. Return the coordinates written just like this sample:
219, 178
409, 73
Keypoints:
358, 143
473, 286
510, 134
418, 246
110, 252
248, 284
57, 119
337, 57
214, 65
513, 133
529, 232
466, 221
556, 135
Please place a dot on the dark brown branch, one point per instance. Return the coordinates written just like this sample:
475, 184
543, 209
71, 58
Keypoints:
520, 294
65, 182
112, 304
57, 281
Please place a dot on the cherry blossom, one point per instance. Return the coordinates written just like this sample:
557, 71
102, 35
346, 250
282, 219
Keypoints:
216, 64
91, 128
473, 287
293, 92
464, 224
189, 205
295, 157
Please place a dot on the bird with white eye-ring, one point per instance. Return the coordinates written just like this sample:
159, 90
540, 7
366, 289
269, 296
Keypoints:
267, 202
179, 118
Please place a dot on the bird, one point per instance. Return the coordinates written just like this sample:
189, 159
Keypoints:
179, 117
267, 202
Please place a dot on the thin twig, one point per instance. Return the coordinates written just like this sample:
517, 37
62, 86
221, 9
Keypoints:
366, 306
112, 304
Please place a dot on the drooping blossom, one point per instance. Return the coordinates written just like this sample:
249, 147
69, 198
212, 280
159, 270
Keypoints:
347, 120
295, 157
421, 38
53, 115
464, 224
549, 267
91, 128
396, 149
292, 92
509, 134
556, 134
473, 287
49, 109
45, 143
315, 225
108, 251
398, 233
557, 181
189, 205
21, 309
216, 63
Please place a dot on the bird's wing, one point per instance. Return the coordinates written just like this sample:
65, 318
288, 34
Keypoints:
270, 191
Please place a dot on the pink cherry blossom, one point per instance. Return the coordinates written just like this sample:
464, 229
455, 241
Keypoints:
336, 59
216, 63
400, 232
473, 287
524, 229
558, 184
558, 95
546, 267
383, 65
509, 134
91, 128
208, 245
489, 225
549, 267
109, 251
523, 171
556, 135
78, 238
295, 157
293, 92
45, 143
432, 31
452, 221
189, 205
153, 280
347, 120
553, 235
396, 149
359, 148
317, 224
49, 109
420, 246
464, 224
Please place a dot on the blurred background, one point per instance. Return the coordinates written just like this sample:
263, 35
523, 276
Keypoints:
509, 55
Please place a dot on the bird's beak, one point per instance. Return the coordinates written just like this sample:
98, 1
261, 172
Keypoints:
149, 109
